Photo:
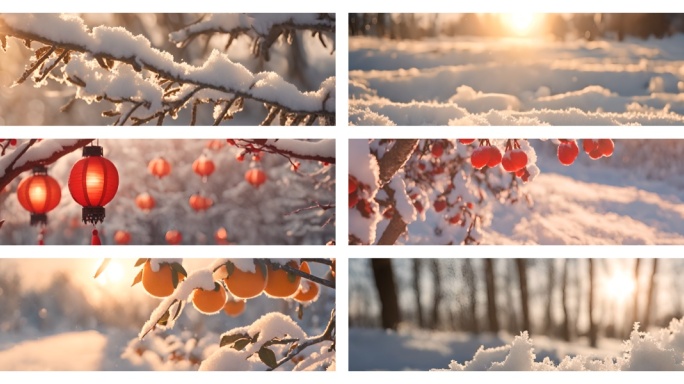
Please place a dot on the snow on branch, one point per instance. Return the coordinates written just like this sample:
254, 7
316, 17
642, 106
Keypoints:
265, 29
31, 153
107, 63
322, 150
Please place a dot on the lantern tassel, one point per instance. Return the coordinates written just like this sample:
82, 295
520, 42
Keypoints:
96, 238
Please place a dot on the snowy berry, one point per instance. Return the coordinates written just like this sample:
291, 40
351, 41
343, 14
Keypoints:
353, 199
466, 141
440, 205
567, 152
606, 146
589, 145
480, 157
514, 160
352, 184
437, 149
494, 157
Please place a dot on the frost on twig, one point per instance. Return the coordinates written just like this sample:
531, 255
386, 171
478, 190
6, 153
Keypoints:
147, 85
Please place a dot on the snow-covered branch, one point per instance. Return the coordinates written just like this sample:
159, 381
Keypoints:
322, 150
146, 84
31, 153
265, 29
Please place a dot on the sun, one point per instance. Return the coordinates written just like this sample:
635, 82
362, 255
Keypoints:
619, 286
113, 274
521, 24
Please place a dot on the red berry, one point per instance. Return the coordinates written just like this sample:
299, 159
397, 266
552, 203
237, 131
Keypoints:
466, 141
520, 172
494, 157
469, 205
440, 205
480, 157
421, 166
455, 219
419, 206
514, 160
295, 166
596, 154
589, 145
567, 152
438, 170
353, 199
13, 142
525, 176
240, 157
606, 146
352, 184
437, 149
365, 207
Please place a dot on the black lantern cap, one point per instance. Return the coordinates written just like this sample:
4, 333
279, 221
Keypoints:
92, 150
93, 215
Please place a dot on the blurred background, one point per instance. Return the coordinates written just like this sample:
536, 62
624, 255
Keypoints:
422, 313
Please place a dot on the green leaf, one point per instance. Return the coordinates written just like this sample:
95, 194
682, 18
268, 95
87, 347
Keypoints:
230, 268
178, 310
230, 339
164, 319
268, 357
102, 267
138, 278
241, 343
174, 279
140, 262
179, 268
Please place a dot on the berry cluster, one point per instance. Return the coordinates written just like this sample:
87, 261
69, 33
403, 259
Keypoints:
595, 148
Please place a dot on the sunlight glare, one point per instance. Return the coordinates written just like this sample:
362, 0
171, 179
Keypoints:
521, 24
113, 274
620, 286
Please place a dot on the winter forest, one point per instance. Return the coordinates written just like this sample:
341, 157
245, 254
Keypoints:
516, 69
159, 69
516, 191
192, 192
516, 314
179, 314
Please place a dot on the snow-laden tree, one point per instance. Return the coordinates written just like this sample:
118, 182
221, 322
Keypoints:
447, 185
295, 205
275, 341
211, 68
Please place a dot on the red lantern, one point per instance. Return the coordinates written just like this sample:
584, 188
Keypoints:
200, 203
221, 236
122, 237
93, 183
159, 167
203, 167
39, 194
145, 202
215, 145
174, 237
256, 177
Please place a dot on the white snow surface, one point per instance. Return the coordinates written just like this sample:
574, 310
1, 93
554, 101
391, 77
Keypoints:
486, 81
403, 203
325, 148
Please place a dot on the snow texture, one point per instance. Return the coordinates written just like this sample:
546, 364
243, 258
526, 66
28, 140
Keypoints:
403, 203
489, 81
364, 167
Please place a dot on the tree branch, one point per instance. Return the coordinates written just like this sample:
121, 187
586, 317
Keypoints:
395, 159
274, 147
12, 170
327, 335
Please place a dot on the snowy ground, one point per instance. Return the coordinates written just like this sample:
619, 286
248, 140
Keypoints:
586, 203
71, 351
374, 349
483, 81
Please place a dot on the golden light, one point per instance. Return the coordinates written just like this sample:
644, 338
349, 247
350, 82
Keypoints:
620, 286
521, 24
113, 274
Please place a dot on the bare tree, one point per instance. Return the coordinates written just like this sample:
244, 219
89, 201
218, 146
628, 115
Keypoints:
491, 295
387, 291
417, 291
521, 266
592, 324
635, 305
469, 279
548, 315
566, 314
437, 296
650, 299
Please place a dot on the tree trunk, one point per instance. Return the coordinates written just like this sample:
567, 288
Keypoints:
437, 297
566, 315
416, 291
548, 316
491, 295
469, 278
592, 325
387, 291
649, 299
635, 305
524, 295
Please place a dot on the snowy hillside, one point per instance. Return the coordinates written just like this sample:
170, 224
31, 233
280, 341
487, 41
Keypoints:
515, 81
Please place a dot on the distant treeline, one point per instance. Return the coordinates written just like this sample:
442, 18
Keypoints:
590, 26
